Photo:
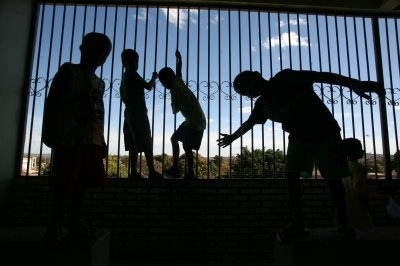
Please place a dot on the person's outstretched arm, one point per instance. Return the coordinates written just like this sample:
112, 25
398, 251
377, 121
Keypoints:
178, 63
227, 139
359, 87
149, 85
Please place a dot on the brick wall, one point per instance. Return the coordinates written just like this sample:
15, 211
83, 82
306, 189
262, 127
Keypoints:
202, 220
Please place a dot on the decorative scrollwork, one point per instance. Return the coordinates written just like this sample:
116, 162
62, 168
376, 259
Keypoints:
37, 90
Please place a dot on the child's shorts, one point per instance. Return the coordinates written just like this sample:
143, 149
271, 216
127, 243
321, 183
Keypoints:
137, 133
77, 168
328, 155
191, 138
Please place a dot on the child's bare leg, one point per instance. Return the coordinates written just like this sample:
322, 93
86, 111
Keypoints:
189, 158
294, 190
133, 163
339, 199
295, 229
175, 152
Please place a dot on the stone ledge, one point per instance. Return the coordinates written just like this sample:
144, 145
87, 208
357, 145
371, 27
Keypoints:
21, 246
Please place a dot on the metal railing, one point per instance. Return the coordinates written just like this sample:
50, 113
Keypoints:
216, 44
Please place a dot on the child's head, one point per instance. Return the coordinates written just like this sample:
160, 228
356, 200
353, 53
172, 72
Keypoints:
248, 83
95, 49
130, 59
166, 77
353, 149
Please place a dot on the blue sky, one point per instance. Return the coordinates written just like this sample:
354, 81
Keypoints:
215, 46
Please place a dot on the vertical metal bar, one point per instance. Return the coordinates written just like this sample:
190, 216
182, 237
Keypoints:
72, 34
47, 78
280, 68
101, 76
198, 58
261, 71
370, 102
165, 91
154, 89
340, 72
219, 90
230, 87
35, 91
349, 74
209, 92
382, 103
120, 121
144, 71
359, 76
251, 101
394, 103
241, 97
290, 40
392, 100
271, 74
299, 40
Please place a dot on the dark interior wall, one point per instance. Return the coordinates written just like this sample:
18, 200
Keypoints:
15, 50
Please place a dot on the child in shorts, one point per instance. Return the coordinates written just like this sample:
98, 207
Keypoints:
73, 126
190, 132
314, 134
137, 133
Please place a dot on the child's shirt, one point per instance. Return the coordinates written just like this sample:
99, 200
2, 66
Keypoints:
184, 101
291, 100
132, 91
74, 108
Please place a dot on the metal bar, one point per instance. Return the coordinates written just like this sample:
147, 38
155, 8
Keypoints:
382, 103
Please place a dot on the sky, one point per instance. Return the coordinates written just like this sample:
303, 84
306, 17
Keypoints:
215, 46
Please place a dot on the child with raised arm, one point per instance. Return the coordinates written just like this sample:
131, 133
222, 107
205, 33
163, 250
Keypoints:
190, 132
137, 133
314, 134
73, 126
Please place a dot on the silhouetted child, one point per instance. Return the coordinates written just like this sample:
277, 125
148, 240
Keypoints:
357, 194
289, 98
190, 132
73, 126
137, 133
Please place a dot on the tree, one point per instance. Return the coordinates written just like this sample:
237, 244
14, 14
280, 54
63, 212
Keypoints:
258, 164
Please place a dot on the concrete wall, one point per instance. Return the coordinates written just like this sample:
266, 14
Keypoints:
203, 221
15, 34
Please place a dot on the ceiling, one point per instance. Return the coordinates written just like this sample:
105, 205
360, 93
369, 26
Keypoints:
374, 6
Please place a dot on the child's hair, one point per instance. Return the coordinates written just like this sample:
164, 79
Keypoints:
129, 55
243, 80
353, 148
97, 39
166, 74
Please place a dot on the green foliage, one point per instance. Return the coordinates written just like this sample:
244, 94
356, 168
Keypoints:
257, 163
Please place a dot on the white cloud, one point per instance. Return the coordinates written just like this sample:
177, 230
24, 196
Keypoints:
293, 21
142, 15
284, 40
173, 16
215, 19
246, 110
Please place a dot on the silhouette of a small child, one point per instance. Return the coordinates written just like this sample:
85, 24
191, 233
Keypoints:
314, 134
137, 133
190, 132
73, 126
357, 193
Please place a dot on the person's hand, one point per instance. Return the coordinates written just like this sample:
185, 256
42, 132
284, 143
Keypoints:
225, 140
178, 55
155, 75
369, 86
